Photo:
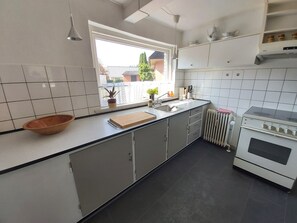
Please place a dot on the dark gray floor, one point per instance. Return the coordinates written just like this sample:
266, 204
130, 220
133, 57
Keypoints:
200, 185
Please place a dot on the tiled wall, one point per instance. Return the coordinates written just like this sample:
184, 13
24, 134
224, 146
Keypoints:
28, 92
240, 89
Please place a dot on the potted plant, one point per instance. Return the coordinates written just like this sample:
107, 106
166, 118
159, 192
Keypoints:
152, 92
112, 102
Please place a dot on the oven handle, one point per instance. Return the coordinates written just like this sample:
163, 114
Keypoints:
269, 133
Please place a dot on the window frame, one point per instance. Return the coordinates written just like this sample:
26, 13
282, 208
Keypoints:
102, 32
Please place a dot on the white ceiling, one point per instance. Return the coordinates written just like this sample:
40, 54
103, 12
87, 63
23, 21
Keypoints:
194, 13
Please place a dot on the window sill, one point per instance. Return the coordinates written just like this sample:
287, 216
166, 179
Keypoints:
129, 106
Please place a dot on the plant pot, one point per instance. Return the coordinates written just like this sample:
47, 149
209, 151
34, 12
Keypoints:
112, 103
152, 96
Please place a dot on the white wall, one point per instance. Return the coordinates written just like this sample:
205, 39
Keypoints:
248, 22
35, 31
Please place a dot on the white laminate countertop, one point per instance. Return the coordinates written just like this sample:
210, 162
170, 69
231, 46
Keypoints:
24, 147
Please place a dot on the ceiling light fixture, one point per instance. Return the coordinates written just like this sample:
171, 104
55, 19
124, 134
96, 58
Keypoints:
176, 20
73, 34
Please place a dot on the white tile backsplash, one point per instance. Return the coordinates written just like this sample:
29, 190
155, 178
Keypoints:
278, 74
291, 74
258, 95
234, 93
74, 74
271, 88
79, 102
77, 88
18, 123
39, 90
290, 86
43, 106
35, 73
16, 92
247, 84
261, 85
4, 114
287, 98
62, 104
236, 84
263, 74
21, 109
6, 126
56, 74
249, 74
275, 85
81, 112
2, 97
30, 91
59, 89
89, 74
12, 74
93, 100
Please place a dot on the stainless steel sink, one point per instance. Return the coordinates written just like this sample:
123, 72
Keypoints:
168, 108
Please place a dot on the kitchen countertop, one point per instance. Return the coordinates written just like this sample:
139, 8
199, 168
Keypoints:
19, 149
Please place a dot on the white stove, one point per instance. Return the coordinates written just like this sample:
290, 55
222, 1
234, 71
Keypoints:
267, 145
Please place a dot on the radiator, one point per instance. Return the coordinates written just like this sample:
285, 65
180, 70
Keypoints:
217, 127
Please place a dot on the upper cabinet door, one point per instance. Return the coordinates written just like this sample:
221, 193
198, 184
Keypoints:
234, 52
193, 57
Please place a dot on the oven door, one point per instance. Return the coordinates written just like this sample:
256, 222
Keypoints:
270, 151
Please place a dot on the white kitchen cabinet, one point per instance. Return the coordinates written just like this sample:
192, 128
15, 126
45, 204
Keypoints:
103, 170
177, 133
195, 124
234, 52
193, 57
150, 147
42, 192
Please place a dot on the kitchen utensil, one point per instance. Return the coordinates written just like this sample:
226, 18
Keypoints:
49, 125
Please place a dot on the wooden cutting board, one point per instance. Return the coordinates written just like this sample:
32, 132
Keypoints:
125, 121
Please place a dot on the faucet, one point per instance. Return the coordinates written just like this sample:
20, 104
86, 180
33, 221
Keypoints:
158, 101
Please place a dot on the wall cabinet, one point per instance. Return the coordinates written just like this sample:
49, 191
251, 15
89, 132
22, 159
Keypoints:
150, 147
193, 57
238, 51
280, 27
102, 171
43, 192
177, 133
234, 52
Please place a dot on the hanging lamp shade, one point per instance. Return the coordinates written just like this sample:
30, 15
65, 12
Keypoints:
176, 20
73, 34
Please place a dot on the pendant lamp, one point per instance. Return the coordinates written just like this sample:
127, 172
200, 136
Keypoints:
73, 34
176, 20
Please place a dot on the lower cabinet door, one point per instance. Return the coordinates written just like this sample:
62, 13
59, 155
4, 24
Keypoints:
150, 147
102, 171
178, 131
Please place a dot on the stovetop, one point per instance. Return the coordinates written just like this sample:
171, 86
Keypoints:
274, 114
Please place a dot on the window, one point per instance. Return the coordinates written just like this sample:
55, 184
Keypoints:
132, 65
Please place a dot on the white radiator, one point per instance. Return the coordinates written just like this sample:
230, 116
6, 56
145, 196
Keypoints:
217, 128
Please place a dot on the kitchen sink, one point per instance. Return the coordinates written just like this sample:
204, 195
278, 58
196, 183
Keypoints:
168, 108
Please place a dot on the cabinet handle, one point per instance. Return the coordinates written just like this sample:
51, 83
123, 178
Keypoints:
165, 138
130, 156
191, 65
228, 61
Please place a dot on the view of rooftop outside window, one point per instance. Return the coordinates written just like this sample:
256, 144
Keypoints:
132, 70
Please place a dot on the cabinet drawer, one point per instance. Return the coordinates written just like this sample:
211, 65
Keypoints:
193, 136
194, 127
195, 111
195, 118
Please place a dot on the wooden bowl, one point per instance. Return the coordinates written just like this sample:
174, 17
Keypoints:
49, 125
